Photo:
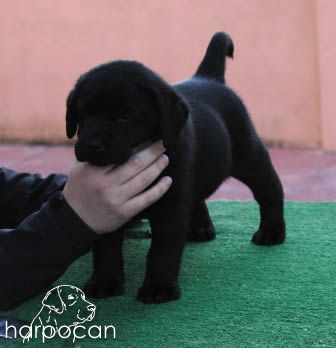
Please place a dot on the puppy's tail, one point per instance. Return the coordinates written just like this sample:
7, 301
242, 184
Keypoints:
213, 63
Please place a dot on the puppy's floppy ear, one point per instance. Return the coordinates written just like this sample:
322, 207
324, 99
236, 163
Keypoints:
71, 113
53, 301
71, 116
173, 115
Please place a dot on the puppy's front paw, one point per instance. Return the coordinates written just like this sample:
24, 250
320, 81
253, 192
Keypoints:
202, 234
158, 293
262, 237
102, 289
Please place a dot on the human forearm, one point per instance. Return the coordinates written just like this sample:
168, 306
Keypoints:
39, 250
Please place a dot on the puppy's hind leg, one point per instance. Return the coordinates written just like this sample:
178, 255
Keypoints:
108, 274
202, 228
257, 172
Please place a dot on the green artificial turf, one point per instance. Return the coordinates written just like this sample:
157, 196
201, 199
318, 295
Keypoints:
234, 293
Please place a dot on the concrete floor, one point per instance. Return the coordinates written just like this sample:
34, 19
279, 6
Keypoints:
307, 175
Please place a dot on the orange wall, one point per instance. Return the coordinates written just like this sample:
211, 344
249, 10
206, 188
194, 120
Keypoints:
326, 10
283, 67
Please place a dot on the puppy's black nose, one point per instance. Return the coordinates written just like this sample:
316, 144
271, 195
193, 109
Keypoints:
95, 145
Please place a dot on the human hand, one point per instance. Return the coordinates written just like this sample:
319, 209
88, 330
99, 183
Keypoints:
107, 197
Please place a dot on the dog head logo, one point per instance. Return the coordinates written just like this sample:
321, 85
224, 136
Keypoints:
62, 306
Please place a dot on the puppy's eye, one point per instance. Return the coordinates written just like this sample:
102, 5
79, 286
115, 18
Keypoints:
70, 297
123, 119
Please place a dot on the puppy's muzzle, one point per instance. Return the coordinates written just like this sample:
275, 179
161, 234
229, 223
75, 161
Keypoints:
95, 145
95, 152
92, 150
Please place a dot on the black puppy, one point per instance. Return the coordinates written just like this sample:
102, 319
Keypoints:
208, 135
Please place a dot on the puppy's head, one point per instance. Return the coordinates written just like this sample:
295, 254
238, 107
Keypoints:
117, 106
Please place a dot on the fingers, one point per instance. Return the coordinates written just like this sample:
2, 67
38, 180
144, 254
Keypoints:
145, 178
79, 166
138, 162
141, 147
148, 197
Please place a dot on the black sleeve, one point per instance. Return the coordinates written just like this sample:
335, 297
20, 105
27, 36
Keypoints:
21, 194
40, 249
